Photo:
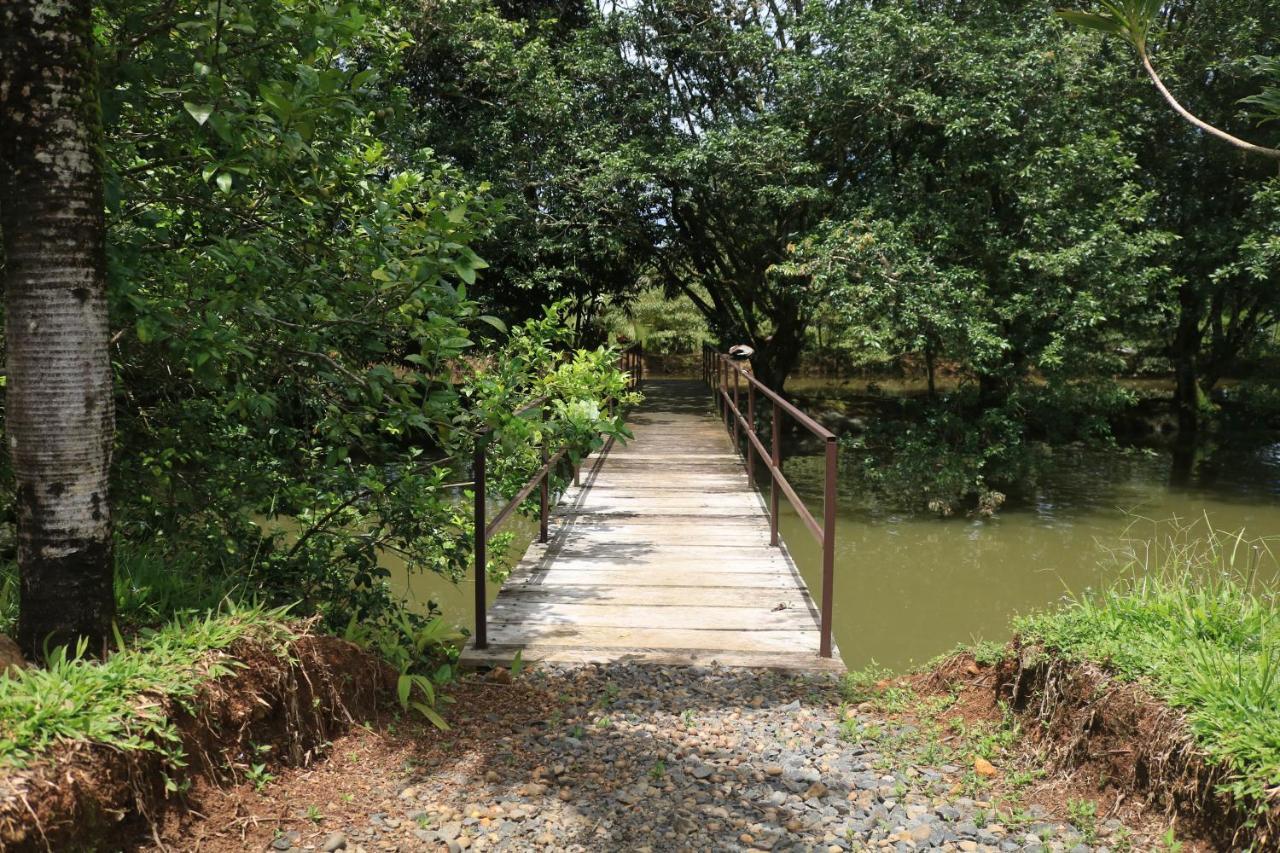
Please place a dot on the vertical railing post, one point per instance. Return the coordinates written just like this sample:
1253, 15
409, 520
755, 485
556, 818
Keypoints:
775, 458
751, 426
722, 379
544, 493
480, 551
828, 547
737, 405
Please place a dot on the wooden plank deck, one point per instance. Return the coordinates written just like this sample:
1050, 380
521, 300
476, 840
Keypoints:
662, 555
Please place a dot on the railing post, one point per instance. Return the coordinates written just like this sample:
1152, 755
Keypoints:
722, 379
751, 425
481, 541
775, 459
737, 405
544, 494
828, 547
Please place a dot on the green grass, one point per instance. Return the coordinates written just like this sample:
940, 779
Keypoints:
8, 599
111, 702
1194, 620
149, 587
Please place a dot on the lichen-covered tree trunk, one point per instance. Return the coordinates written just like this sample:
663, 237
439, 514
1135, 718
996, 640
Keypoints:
59, 410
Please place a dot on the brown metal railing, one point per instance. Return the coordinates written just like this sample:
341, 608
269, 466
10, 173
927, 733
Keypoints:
631, 361
716, 370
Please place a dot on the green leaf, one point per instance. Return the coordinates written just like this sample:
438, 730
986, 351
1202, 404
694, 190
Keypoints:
431, 715
424, 684
493, 321
199, 112
403, 688
224, 182
1102, 23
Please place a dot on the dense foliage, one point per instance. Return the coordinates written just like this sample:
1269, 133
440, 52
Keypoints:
294, 333
324, 217
982, 189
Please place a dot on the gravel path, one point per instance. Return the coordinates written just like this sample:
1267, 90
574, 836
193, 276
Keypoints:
640, 758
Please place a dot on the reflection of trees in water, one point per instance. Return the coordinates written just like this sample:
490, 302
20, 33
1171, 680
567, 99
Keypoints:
1240, 469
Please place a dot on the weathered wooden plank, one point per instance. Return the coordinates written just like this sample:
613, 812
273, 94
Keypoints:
709, 584
638, 532
787, 640
686, 565
651, 595
650, 617
503, 654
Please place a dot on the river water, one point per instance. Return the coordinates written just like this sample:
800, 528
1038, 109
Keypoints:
909, 587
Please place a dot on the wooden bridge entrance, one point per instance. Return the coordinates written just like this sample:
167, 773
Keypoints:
662, 555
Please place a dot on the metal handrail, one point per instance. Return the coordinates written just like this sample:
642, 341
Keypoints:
631, 360
716, 369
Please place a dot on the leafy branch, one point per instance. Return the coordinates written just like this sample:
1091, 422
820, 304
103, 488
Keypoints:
1133, 21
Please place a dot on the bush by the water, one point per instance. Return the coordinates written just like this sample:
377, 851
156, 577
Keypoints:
1193, 619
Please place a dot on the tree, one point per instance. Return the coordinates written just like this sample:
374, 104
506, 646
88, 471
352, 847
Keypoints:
994, 220
635, 141
59, 403
1223, 295
1134, 20
523, 95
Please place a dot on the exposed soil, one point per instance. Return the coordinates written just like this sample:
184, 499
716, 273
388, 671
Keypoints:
364, 768
1105, 741
286, 707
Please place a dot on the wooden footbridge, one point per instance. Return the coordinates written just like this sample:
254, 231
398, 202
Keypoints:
666, 552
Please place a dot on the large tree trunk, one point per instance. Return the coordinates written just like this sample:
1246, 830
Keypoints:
59, 409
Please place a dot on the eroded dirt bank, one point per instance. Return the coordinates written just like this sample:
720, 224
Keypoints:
274, 708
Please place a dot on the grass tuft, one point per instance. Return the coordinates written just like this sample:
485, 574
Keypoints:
1194, 621
116, 702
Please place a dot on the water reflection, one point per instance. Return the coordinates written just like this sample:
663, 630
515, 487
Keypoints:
909, 587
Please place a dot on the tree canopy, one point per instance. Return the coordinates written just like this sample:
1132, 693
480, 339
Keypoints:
341, 236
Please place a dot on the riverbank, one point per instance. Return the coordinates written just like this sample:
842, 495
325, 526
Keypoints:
965, 756
95, 755
1141, 717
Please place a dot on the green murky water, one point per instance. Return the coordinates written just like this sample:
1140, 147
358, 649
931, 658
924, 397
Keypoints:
457, 601
911, 586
